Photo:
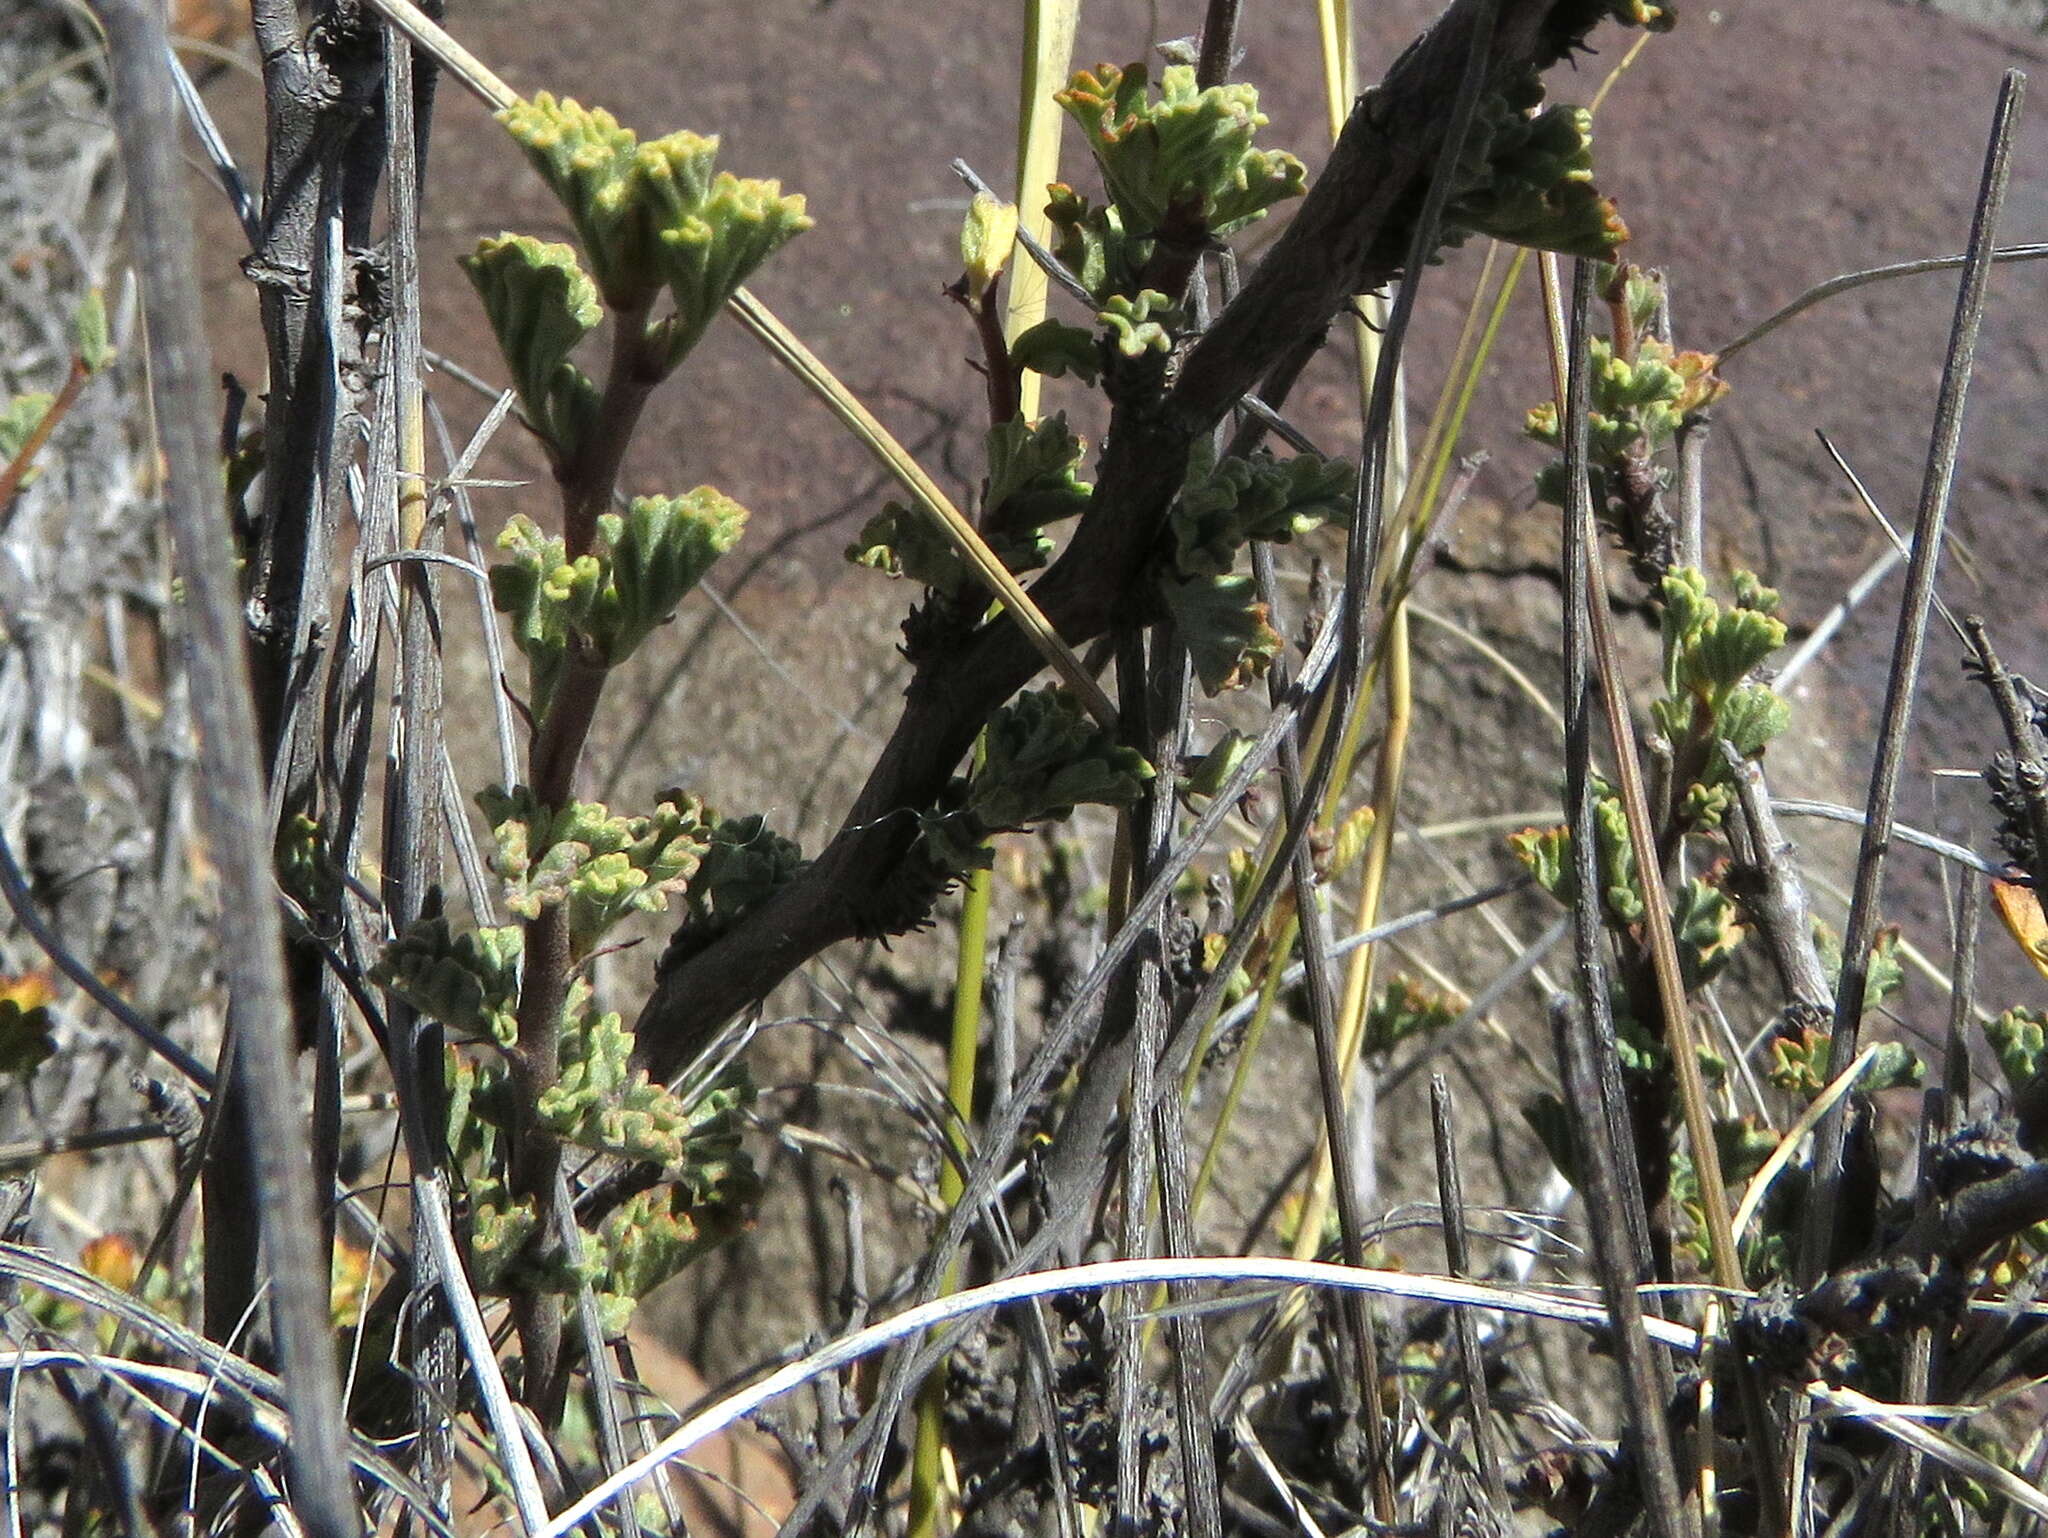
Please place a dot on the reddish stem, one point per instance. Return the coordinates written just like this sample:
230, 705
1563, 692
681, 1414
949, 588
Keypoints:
11, 476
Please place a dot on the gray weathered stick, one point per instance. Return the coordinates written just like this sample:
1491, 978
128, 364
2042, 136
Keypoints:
1907, 649
231, 784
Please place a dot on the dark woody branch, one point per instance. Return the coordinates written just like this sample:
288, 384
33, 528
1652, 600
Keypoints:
1349, 237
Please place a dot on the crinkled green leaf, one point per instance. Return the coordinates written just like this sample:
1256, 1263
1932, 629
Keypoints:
546, 596
1708, 926
469, 981
901, 542
1056, 350
1751, 717
1031, 480
611, 598
1184, 158
540, 304
1886, 974
656, 553
586, 158
1255, 497
709, 250
745, 864
1044, 755
1140, 325
2020, 1038
1546, 853
1224, 627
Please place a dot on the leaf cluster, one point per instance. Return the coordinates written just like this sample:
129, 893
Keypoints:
1526, 177
604, 866
1181, 161
602, 1104
1709, 654
1406, 1008
1225, 504
654, 215
1043, 756
1800, 1065
1707, 923
1032, 483
1642, 391
601, 605
469, 981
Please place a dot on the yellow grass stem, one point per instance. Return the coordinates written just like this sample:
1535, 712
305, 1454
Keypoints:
1680, 1042
1248, 1051
1048, 53
787, 350
1048, 58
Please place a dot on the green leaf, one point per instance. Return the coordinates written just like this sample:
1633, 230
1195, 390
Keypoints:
541, 304
1055, 349
89, 330
1257, 497
658, 552
987, 237
1044, 755
1031, 480
609, 600
1751, 717
709, 248
468, 982
1184, 158
1142, 324
586, 157
746, 863
1708, 926
24, 414
1546, 853
1744, 1143
1526, 176
2020, 1038
1214, 769
901, 542
1224, 628
1886, 974
547, 598
1739, 641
